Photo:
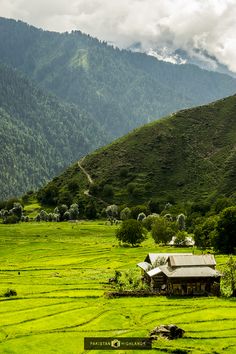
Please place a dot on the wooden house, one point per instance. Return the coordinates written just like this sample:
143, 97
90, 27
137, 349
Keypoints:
181, 273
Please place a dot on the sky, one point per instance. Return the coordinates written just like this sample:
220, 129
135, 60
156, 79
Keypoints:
192, 25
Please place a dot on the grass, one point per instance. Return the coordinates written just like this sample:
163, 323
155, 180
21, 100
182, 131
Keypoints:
188, 156
64, 269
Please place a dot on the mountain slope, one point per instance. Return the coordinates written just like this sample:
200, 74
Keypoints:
120, 89
39, 135
190, 155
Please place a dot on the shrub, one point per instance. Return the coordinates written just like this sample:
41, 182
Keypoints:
11, 219
10, 292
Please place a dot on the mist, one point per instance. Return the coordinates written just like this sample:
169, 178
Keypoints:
205, 26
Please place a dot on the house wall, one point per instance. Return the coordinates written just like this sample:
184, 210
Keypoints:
193, 286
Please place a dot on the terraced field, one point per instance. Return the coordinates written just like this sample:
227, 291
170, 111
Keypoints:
60, 272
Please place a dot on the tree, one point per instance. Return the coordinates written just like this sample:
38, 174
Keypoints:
74, 211
17, 210
90, 211
205, 232
154, 206
181, 221
162, 230
229, 278
108, 191
149, 220
43, 215
125, 214
60, 210
141, 217
132, 232
112, 211
225, 236
137, 210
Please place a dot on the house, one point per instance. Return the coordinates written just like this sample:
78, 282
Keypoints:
181, 273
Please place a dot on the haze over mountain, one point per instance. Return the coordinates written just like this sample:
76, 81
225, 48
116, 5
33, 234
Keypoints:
120, 89
188, 156
206, 27
182, 57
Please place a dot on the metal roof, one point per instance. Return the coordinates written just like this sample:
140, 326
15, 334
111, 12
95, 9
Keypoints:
189, 241
144, 265
192, 260
153, 257
154, 271
189, 272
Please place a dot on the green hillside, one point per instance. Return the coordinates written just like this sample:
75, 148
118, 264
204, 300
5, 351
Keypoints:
120, 89
188, 156
39, 135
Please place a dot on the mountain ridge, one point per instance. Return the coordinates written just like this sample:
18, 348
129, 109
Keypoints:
188, 156
119, 89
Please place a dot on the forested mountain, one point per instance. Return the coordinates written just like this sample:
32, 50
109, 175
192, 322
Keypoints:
39, 135
188, 156
120, 89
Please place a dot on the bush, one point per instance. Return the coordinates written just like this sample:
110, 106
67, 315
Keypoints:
10, 292
11, 219
129, 280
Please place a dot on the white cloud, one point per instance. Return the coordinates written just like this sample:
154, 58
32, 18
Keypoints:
207, 25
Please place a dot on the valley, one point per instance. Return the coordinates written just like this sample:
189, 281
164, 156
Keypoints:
60, 294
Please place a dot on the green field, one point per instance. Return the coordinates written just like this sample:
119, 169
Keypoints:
64, 268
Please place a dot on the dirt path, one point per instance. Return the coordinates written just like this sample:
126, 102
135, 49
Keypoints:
90, 180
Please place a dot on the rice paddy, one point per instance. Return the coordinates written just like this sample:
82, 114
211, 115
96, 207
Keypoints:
60, 272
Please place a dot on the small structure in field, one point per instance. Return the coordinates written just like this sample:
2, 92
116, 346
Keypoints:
181, 273
188, 242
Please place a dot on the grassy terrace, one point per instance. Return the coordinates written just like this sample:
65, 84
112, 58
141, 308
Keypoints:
63, 270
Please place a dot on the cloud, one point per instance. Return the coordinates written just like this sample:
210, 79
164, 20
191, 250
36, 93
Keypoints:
203, 25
